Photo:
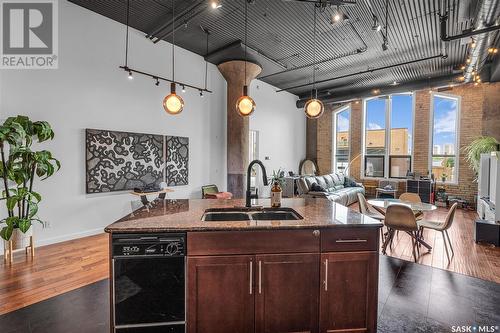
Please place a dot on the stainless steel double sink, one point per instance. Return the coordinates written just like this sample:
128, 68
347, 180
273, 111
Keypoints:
250, 214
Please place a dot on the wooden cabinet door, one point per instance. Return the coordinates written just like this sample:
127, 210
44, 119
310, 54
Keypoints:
348, 296
220, 294
286, 293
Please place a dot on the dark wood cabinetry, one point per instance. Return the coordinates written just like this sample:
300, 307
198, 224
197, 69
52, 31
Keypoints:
332, 288
220, 294
348, 296
286, 298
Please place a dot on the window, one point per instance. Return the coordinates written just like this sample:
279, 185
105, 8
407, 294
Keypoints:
388, 136
341, 140
444, 136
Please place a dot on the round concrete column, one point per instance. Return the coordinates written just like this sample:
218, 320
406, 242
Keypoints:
237, 126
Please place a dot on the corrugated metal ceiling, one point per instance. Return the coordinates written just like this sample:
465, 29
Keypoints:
282, 31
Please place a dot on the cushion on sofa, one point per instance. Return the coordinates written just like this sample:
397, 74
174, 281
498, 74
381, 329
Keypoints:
317, 188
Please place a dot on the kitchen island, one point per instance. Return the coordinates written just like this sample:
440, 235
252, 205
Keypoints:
317, 273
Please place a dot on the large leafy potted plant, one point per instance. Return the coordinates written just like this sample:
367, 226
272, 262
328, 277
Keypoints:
19, 166
481, 145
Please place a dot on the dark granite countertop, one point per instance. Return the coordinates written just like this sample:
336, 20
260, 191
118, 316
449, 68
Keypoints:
186, 214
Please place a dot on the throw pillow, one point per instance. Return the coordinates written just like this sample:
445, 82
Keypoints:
317, 188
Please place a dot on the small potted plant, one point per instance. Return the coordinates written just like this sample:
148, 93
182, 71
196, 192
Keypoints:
443, 177
19, 166
277, 181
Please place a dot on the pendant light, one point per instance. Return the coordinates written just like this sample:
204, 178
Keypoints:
173, 103
314, 108
245, 105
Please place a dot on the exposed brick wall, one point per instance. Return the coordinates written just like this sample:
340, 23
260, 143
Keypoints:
479, 115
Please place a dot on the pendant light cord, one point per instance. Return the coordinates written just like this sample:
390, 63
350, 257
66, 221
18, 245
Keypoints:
246, 32
314, 56
206, 62
126, 34
173, 40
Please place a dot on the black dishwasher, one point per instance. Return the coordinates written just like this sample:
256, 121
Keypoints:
148, 289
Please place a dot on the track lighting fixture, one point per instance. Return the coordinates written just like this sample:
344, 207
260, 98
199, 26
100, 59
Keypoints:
338, 16
376, 91
473, 43
463, 67
385, 45
216, 4
183, 88
493, 50
375, 25
157, 83
201, 93
130, 77
468, 60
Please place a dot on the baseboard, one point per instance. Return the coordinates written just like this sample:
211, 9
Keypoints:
63, 238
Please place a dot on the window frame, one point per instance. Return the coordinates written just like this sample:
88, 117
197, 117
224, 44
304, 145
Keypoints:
458, 99
334, 137
388, 127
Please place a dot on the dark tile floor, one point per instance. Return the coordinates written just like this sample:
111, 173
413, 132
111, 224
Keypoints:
412, 298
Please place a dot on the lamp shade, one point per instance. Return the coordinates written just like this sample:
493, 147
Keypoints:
173, 103
245, 105
314, 108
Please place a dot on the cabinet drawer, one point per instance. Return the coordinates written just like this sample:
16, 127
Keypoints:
349, 239
251, 242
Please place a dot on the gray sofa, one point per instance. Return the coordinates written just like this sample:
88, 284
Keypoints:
339, 188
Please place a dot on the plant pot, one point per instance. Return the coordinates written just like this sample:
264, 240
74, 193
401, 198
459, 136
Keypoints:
443, 179
19, 239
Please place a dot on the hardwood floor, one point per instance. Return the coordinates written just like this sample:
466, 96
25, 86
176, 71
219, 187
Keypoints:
476, 260
66, 266
56, 269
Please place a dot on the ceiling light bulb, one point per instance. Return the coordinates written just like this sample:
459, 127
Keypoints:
462, 68
468, 60
201, 93
216, 4
475, 83
490, 50
473, 44
173, 103
183, 88
376, 91
157, 83
314, 108
337, 16
130, 77
379, 27
495, 50
245, 105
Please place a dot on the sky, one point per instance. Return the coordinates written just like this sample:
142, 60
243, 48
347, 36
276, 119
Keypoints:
402, 117
401, 114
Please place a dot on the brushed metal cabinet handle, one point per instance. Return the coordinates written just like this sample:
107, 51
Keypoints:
251, 277
260, 277
326, 274
351, 241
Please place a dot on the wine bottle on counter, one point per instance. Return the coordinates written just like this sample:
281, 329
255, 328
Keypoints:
276, 195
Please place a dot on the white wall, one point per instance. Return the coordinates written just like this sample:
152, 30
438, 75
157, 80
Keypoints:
89, 91
281, 126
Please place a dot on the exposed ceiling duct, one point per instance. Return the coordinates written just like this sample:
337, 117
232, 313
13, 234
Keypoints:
485, 22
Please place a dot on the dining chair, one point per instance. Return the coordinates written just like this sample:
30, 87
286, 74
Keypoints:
413, 198
364, 208
442, 227
401, 218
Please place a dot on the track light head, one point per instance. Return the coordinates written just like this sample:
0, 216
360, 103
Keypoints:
215, 4
130, 77
183, 88
375, 25
385, 45
201, 93
157, 83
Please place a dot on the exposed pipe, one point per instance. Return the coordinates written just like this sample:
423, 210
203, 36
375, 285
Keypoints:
484, 20
365, 93
363, 72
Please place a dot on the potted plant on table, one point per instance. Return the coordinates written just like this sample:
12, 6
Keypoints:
19, 166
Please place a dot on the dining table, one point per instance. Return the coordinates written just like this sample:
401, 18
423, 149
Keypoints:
381, 204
